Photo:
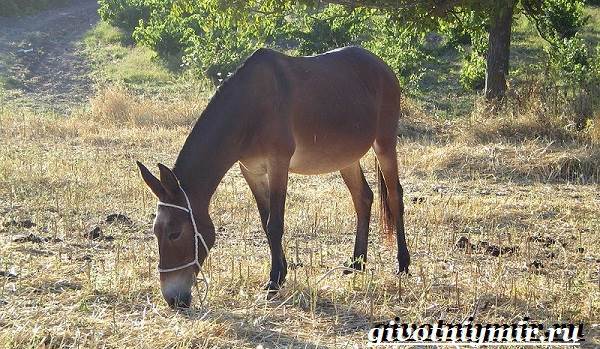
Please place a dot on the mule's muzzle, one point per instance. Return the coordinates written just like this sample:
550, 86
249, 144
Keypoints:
181, 300
176, 287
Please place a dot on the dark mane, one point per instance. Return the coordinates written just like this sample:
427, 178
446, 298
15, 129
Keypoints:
206, 126
225, 88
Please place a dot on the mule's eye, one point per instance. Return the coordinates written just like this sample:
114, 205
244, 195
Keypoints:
173, 236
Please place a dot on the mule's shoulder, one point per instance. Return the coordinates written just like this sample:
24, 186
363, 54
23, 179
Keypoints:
266, 58
264, 53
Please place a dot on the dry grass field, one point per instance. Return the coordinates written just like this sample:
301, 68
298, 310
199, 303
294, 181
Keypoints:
502, 215
522, 189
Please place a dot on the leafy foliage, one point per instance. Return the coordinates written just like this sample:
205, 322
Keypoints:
467, 30
332, 26
570, 60
401, 48
559, 22
212, 37
472, 74
126, 14
216, 38
556, 20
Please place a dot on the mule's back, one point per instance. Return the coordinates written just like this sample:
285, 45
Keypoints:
338, 102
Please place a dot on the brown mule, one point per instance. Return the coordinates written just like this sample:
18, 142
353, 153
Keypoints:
279, 114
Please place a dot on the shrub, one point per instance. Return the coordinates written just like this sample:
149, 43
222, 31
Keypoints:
127, 14
163, 35
472, 73
327, 28
212, 37
218, 39
570, 60
469, 33
400, 46
207, 36
466, 28
556, 20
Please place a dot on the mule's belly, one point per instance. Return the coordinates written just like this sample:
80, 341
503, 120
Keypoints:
333, 114
324, 148
309, 162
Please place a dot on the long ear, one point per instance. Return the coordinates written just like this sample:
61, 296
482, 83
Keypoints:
168, 179
152, 182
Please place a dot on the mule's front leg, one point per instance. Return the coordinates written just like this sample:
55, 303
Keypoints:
278, 179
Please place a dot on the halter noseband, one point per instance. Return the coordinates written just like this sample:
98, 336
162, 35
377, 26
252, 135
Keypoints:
197, 236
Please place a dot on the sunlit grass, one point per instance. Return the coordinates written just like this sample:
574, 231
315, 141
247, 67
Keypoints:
512, 180
117, 62
67, 173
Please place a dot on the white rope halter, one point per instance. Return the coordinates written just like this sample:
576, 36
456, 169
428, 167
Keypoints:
197, 236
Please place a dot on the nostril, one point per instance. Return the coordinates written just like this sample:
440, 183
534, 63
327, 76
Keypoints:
181, 301
171, 302
186, 300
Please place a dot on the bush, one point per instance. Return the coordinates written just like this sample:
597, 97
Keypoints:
316, 31
556, 20
570, 61
472, 73
127, 14
466, 28
469, 33
400, 47
163, 35
207, 36
218, 39
212, 37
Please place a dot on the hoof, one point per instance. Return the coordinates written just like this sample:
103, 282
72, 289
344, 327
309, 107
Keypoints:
403, 263
355, 266
272, 289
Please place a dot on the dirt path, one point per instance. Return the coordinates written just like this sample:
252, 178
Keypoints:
41, 59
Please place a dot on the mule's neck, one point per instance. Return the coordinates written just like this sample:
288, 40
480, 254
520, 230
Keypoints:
212, 147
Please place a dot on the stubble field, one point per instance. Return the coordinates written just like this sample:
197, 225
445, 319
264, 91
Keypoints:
499, 227
502, 211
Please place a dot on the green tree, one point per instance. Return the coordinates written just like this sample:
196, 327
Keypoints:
557, 21
213, 36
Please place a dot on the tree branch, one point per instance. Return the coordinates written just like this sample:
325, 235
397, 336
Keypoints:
433, 7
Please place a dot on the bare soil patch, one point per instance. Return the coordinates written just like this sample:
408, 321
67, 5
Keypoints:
41, 58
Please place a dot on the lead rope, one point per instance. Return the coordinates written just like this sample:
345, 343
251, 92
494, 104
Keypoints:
197, 236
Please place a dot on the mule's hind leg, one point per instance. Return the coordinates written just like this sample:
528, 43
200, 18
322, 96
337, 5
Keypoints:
362, 197
385, 150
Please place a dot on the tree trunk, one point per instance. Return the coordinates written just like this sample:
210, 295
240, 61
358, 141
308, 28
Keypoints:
499, 49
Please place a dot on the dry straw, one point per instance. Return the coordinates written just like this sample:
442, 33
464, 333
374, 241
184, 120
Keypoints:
501, 181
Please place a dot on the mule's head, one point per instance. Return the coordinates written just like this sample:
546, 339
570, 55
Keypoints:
176, 240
